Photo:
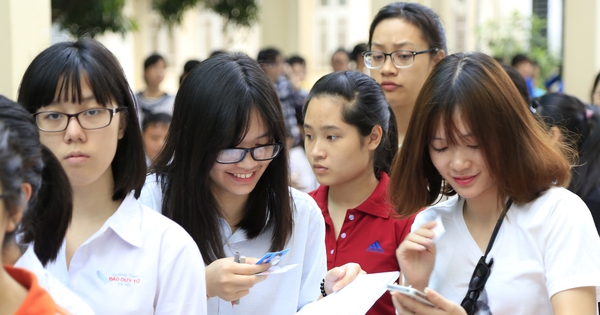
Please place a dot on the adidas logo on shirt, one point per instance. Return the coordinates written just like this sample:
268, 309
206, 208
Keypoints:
375, 248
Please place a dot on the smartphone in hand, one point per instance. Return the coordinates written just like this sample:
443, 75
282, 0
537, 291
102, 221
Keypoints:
411, 292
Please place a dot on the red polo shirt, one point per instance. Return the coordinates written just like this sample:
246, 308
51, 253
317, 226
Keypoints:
37, 301
369, 236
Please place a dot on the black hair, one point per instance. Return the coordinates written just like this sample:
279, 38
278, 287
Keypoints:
358, 50
155, 118
11, 175
342, 50
216, 52
212, 111
268, 55
49, 209
596, 81
152, 60
365, 108
56, 74
418, 15
520, 58
518, 80
187, 67
581, 124
296, 59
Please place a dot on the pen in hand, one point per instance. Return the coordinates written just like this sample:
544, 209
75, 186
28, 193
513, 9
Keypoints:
238, 259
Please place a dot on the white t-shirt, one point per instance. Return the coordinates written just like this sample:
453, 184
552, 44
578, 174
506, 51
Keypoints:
543, 247
279, 294
59, 293
138, 262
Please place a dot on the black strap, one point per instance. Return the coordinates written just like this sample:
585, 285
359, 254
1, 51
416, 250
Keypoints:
497, 228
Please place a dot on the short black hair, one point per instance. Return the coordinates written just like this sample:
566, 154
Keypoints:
268, 55
155, 118
296, 59
64, 65
151, 60
520, 58
358, 50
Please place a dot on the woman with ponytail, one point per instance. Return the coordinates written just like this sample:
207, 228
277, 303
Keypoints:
351, 140
48, 208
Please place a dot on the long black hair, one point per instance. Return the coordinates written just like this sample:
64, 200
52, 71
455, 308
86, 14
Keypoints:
583, 125
213, 109
49, 209
365, 107
62, 67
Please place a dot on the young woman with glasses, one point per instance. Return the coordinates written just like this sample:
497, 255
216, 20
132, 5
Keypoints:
118, 255
516, 241
350, 141
405, 41
223, 176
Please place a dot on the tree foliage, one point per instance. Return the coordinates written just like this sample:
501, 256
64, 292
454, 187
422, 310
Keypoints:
520, 34
95, 17
91, 17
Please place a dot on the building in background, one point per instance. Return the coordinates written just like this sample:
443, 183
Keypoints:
313, 29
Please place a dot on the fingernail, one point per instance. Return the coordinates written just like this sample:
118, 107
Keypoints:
426, 290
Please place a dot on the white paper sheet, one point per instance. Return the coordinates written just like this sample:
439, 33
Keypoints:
356, 298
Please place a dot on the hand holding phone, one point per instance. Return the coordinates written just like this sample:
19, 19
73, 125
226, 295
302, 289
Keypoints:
411, 292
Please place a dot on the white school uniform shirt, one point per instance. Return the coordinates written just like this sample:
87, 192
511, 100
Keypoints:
278, 294
543, 247
138, 262
61, 295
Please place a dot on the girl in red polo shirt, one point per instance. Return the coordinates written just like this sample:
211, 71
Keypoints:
351, 140
20, 292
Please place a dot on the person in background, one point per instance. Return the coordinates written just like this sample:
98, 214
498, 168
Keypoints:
525, 67
223, 176
351, 140
301, 174
571, 120
154, 99
119, 256
48, 211
340, 60
20, 292
472, 135
519, 82
154, 133
187, 67
272, 63
358, 59
406, 40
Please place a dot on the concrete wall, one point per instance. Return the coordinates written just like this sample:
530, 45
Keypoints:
581, 47
24, 32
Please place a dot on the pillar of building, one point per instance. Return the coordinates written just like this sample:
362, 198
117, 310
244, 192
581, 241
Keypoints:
24, 33
581, 52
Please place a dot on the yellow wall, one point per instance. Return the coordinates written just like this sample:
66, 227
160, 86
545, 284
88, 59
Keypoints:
24, 32
581, 47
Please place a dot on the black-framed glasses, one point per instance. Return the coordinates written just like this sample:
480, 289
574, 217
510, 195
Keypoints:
94, 118
478, 279
400, 58
259, 153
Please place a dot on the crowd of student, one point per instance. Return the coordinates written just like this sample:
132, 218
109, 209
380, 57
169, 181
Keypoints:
123, 203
